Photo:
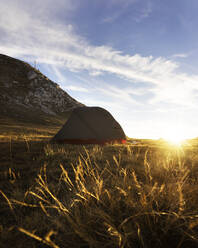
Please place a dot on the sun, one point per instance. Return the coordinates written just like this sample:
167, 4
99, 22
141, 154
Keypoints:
177, 141
175, 137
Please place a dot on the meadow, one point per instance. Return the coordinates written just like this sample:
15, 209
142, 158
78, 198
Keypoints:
133, 195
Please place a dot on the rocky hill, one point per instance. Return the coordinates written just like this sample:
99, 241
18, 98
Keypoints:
27, 95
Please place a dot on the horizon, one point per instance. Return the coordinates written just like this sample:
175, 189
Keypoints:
137, 59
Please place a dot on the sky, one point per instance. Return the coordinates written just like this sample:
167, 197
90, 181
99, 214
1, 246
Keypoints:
136, 58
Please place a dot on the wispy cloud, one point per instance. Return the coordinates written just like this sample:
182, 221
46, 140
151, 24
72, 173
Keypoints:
76, 88
122, 6
95, 73
112, 18
180, 55
144, 12
119, 94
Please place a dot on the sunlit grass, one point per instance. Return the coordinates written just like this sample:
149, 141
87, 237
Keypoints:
93, 196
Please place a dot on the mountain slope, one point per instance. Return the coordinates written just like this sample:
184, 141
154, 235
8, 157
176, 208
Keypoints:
27, 96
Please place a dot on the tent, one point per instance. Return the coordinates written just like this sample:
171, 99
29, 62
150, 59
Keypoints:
90, 125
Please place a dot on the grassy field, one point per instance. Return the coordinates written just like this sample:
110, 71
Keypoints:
133, 195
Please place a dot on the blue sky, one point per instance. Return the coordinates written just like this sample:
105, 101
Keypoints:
136, 58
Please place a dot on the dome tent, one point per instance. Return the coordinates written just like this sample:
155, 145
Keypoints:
90, 125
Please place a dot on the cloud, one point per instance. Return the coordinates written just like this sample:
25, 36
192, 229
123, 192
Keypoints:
95, 73
58, 44
107, 104
76, 88
180, 55
118, 94
117, 8
144, 12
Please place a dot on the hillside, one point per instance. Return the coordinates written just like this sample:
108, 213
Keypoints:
28, 96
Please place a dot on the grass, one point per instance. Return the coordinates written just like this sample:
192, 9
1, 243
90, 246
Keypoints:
142, 195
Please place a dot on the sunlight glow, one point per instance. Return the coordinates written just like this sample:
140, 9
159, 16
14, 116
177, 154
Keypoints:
175, 137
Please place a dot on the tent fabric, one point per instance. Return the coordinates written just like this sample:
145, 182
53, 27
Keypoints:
90, 125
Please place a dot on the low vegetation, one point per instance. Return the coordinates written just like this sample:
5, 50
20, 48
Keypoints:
133, 195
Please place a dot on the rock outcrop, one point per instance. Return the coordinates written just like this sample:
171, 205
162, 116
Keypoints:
25, 89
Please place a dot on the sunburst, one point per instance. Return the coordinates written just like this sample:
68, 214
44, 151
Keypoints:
175, 137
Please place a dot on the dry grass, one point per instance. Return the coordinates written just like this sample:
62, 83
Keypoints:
111, 196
